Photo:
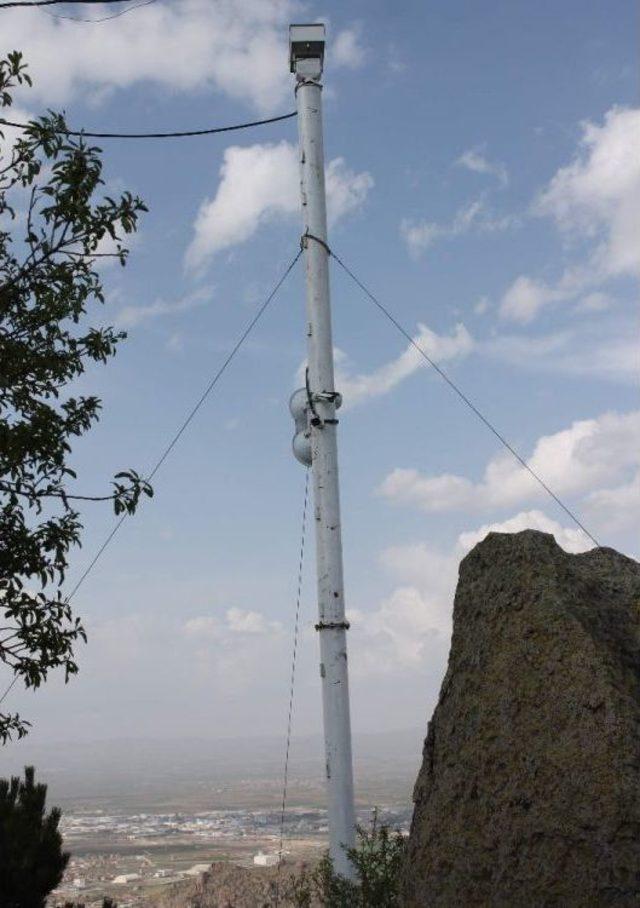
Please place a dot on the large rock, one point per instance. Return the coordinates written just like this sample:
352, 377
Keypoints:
227, 885
529, 792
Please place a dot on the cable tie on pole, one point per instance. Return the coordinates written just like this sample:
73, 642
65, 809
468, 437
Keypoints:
333, 397
332, 626
315, 419
310, 236
300, 82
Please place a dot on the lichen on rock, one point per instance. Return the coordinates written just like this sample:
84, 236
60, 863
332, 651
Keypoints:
529, 791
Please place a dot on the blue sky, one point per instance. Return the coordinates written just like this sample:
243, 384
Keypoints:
483, 183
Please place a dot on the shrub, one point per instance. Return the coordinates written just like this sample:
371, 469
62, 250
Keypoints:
32, 861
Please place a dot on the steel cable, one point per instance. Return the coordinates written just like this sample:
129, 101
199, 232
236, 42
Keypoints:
461, 394
178, 434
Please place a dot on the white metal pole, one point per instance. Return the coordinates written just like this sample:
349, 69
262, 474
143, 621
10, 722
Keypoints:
332, 625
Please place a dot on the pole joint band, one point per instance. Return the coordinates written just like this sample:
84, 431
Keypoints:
332, 626
310, 236
306, 81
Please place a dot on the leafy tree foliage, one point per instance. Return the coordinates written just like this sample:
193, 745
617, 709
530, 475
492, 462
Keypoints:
53, 233
378, 858
31, 858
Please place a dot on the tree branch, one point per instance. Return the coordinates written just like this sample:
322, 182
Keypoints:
10, 488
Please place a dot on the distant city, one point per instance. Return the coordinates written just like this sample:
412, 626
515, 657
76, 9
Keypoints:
132, 856
139, 816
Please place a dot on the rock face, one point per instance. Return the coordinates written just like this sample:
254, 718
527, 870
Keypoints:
230, 886
529, 792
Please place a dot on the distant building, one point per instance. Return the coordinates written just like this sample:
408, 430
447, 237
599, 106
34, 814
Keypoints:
79, 883
125, 878
160, 874
266, 860
197, 869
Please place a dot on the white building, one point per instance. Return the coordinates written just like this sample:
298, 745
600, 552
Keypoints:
266, 860
125, 878
197, 869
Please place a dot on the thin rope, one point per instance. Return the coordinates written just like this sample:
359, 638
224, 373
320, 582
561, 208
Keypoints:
296, 626
169, 448
463, 397
155, 135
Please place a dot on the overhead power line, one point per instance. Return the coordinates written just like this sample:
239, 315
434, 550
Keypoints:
156, 135
454, 387
27, 3
122, 12
183, 426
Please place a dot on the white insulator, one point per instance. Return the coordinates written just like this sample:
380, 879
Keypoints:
298, 405
302, 448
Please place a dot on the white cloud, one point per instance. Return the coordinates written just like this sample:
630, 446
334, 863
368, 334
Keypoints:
237, 47
571, 540
256, 183
431, 493
573, 461
346, 48
259, 183
236, 621
616, 508
598, 194
397, 634
420, 235
130, 316
205, 626
228, 651
595, 199
526, 296
346, 190
588, 348
241, 621
594, 302
475, 161
441, 348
